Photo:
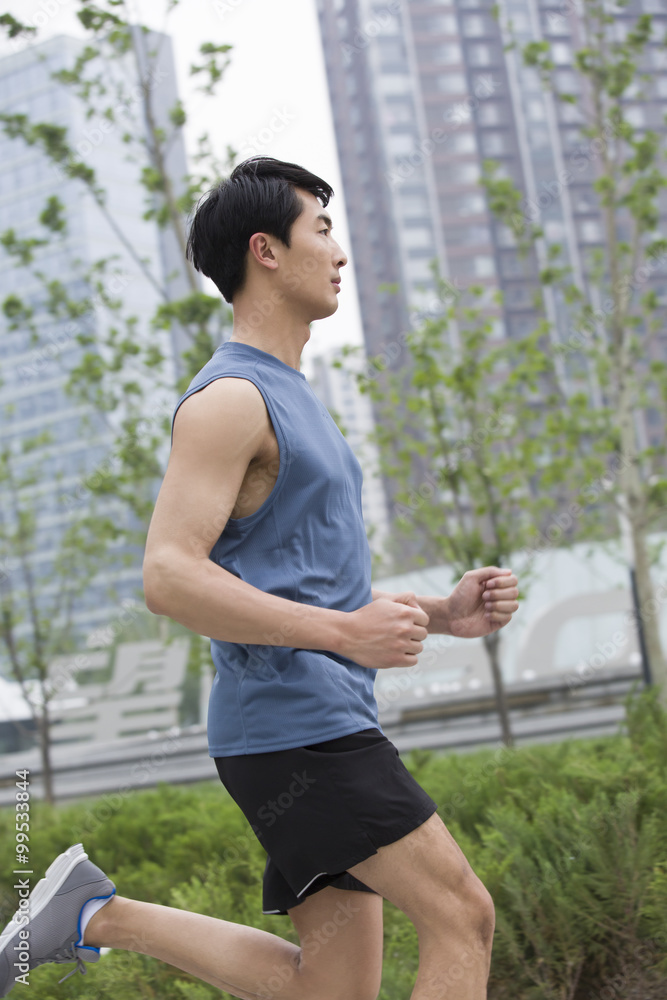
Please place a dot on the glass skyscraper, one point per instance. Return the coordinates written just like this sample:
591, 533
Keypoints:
143, 263
424, 92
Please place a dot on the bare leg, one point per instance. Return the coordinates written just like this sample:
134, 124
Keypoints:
248, 962
428, 877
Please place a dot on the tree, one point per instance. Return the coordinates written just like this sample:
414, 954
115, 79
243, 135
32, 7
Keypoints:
615, 341
484, 416
112, 362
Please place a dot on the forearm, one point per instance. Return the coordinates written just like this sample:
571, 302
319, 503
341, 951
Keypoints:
437, 609
210, 601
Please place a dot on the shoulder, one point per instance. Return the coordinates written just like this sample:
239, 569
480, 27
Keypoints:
232, 403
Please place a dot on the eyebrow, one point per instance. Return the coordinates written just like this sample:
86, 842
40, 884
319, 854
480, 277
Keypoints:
325, 218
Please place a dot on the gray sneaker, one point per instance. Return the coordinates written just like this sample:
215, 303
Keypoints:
47, 925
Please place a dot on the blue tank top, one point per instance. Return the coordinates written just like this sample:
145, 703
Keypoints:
306, 543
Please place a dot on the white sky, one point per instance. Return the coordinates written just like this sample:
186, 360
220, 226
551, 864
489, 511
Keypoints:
276, 72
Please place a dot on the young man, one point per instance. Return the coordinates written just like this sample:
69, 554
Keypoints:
258, 541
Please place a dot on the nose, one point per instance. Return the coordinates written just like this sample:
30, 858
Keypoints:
340, 257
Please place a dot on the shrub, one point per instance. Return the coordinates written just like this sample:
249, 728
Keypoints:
570, 839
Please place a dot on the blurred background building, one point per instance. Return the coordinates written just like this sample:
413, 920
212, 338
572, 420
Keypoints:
422, 93
33, 377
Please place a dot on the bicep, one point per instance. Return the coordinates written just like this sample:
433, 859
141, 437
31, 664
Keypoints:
217, 433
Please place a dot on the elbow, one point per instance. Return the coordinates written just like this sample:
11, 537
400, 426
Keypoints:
154, 590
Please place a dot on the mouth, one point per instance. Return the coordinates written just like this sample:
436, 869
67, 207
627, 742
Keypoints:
336, 284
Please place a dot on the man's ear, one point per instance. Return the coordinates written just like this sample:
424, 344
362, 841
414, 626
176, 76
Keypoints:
260, 246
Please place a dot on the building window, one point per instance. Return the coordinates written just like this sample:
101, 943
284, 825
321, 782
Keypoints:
520, 22
387, 24
590, 231
484, 267
464, 205
451, 83
538, 137
445, 54
519, 296
398, 111
463, 173
401, 144
392, 52
493, 143
438, 24
474, 26
489, 113
570, 114
505, 236
480, 55
584, 199
554, 230
555, 24
466, 236
636, 116
462, 142
535, 109
394, 84
566, 81
510, 265
621, 29
413, 202
458, 113
419, 253
418, 270
571, 137
414, 237
530, 80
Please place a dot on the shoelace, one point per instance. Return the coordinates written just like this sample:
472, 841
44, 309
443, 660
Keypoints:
69, 954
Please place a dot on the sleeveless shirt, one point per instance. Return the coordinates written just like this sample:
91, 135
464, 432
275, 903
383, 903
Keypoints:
306, 543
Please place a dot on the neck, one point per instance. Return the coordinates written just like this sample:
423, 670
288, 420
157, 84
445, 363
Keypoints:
277, 333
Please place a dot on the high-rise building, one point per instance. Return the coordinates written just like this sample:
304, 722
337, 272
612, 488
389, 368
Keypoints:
422, 93
145, 261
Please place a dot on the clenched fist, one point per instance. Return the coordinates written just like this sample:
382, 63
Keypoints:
386, 633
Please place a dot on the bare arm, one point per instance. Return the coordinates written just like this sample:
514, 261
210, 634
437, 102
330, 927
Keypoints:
483, 601
437, 609
217, 433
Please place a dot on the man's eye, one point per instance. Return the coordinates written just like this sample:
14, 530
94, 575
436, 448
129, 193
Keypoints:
324, 230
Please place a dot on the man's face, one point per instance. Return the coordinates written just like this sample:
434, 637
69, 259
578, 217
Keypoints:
309, 271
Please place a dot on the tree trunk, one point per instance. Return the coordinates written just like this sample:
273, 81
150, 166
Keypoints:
633, 504
649, 610
491, 643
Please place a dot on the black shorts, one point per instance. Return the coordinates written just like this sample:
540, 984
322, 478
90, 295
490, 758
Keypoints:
319, 809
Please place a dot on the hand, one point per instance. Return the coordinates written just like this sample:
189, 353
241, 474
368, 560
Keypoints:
482, 602
388, 632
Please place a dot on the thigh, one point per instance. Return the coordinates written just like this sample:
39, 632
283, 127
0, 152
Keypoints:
425, 874
341, 940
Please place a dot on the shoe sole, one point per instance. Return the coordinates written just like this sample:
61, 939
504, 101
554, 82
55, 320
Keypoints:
56, 874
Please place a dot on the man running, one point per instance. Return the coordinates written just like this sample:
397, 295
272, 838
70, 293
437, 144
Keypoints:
257, 541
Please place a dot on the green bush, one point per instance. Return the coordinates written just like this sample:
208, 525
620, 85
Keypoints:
570, 839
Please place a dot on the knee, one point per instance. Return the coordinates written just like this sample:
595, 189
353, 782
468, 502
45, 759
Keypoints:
482, 914
465, 909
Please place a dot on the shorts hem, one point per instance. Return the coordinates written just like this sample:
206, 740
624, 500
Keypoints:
343, 867
398, 832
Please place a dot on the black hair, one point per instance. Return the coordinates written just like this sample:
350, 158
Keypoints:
258, 196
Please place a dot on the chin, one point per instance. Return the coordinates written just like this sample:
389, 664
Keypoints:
327, 309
